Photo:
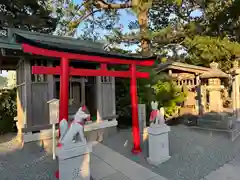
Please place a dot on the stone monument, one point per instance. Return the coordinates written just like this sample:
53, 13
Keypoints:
53, 106
142, 122
73, 151
158, 136
235, 71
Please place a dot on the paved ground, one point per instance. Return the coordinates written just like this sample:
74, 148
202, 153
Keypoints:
34, 163
194, 155
28, 163
229, 171
110, 165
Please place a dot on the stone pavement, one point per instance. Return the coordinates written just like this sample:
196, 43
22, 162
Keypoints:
194, 154
32, 162
229, 171
107, 164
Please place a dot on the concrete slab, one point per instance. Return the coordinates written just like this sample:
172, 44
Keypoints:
99, 169
116, 176
129, 168
158, 177
227, 172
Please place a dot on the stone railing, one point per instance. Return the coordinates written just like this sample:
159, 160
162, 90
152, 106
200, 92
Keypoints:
221, 121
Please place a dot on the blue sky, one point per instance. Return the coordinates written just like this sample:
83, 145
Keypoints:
125, 18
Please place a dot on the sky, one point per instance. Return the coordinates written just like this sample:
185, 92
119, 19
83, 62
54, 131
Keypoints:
125, 19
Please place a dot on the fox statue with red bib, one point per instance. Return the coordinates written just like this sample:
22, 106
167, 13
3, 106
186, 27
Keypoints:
75, 130
157, 116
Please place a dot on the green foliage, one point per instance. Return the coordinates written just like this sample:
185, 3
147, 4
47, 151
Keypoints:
24, 14
169, 95
202, 50
8, 110
159, 87
222, 19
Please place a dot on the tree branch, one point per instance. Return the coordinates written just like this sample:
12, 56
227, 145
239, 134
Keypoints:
78, 21
100, 4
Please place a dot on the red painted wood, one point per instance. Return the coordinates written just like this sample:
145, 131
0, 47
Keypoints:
87, 72
90, 58
134, 100
103, 66
64, 84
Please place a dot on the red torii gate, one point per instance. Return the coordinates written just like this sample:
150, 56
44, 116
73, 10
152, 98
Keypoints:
64, 70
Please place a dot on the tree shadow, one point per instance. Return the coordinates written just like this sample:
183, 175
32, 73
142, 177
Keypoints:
31, 161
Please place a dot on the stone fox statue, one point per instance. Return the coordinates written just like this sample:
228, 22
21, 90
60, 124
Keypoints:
76, 128
157, 116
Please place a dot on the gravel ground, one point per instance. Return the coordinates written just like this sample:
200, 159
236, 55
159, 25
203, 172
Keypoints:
28, 163
194, 154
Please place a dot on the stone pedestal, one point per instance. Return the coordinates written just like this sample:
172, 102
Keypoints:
158, 144
142, 121
74, 161
215, 100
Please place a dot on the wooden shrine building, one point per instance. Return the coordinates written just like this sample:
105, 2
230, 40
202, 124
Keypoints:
76, 72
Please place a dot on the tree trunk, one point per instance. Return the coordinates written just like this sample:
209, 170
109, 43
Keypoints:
142, 17
143, 24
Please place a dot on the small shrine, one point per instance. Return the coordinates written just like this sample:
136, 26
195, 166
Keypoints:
74, 71
204, 86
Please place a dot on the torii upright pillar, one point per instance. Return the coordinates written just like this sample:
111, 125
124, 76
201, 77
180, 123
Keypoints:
134, 100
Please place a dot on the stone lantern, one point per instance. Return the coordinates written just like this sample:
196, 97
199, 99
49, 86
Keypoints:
214, 77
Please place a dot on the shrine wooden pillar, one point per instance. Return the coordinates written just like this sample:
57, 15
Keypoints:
134, 99
64, 86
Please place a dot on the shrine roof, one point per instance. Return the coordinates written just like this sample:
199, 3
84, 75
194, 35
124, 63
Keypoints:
214, 72
67, 44
6, 43
182, 67
204, 72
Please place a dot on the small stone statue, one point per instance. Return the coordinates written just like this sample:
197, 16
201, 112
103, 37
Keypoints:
75, 129
157, 116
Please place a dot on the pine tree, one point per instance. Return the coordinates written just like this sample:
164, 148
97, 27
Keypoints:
32, 15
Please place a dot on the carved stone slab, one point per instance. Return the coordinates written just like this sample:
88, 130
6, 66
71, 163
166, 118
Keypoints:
74, 162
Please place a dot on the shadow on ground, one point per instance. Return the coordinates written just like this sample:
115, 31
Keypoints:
31, 162
194, 154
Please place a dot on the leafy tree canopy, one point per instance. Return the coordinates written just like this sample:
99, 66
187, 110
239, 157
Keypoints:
33, 15
202, 50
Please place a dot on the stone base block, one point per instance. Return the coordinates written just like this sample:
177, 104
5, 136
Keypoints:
42, 135
159, 161
158, 144
93, 132
74, 161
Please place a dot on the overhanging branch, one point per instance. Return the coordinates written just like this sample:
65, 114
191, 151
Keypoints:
100, 4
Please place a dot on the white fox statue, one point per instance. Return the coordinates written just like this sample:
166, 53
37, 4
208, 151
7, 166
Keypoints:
157, 116
76, 128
